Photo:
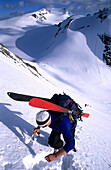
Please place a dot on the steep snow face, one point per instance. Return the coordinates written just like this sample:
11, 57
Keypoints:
73, 57
66, 61
37, 41
18, 150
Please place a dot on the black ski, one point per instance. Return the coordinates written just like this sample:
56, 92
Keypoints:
23, 97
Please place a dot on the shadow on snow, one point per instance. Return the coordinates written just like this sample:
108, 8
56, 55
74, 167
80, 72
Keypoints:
12, 120
36, 41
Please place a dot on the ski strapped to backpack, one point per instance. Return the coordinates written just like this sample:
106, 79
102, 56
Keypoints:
60, 104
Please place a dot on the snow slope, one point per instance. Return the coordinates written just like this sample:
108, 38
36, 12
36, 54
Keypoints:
65, 60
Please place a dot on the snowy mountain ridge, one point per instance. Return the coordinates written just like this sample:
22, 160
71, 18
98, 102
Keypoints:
19, 61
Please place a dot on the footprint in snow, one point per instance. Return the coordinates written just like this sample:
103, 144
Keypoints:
69, 162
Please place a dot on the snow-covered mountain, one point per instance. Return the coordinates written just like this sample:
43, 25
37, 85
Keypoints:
47, 52
92, 27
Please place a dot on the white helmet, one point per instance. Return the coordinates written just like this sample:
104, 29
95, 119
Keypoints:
43, 118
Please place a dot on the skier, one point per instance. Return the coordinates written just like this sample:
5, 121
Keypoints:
59, 125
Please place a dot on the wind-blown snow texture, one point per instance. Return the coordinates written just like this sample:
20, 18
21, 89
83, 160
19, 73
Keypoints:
68, 58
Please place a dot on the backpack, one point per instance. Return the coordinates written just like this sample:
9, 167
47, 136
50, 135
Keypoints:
67, 102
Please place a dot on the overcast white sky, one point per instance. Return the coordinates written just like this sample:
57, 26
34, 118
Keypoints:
10, 8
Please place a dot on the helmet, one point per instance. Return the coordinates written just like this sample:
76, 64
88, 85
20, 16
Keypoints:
43, 118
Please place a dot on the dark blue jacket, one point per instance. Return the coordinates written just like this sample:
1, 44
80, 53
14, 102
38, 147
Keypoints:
64, 127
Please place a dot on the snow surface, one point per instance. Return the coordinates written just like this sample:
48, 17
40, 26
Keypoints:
67, 59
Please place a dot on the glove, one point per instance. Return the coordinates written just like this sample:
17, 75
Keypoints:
36, 131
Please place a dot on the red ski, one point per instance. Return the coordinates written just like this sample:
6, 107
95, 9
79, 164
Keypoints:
43, 104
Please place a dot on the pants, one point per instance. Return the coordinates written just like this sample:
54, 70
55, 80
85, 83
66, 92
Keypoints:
55, 141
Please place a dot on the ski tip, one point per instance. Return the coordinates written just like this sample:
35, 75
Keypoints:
8, 93
32, 101
85, 115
